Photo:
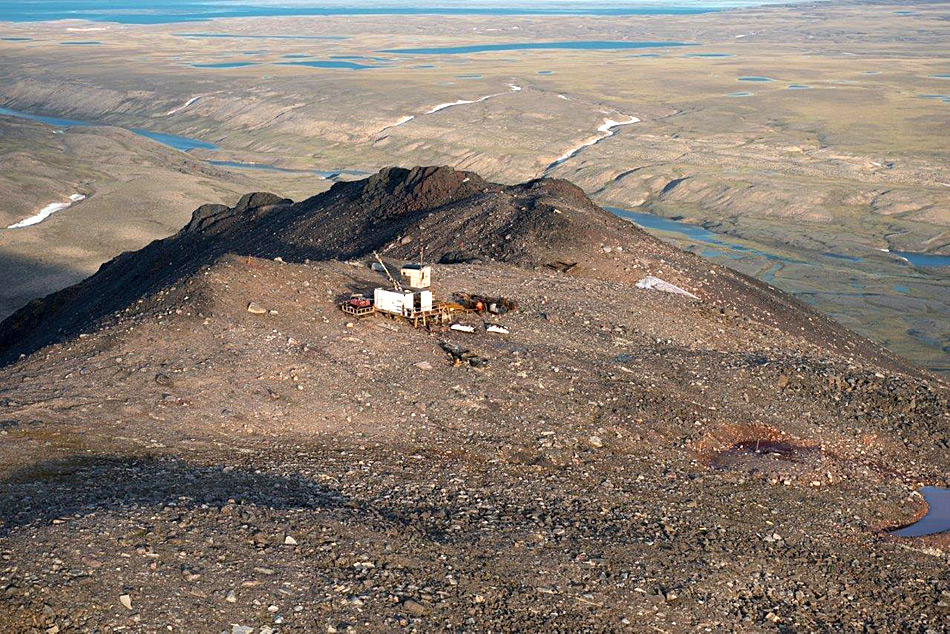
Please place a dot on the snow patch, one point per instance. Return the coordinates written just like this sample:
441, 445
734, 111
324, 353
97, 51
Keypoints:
405, 119
462, 102
183, 106
443, 106
608, 129
46, 212
656, 284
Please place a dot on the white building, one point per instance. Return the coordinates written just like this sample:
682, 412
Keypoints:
417, 275
403, 303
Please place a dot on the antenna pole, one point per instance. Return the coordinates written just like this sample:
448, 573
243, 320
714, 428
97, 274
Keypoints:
392, 280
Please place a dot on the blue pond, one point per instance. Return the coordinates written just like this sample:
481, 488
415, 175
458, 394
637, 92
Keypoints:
924, 260
81, 43
710, 55
242, 36
739, 94
580, 45
468, 76
937, 519
330, 64
171, 140
798, 87
224, 65
940, 76
693, 232
545, 72
173, 11
758, 79
16, 39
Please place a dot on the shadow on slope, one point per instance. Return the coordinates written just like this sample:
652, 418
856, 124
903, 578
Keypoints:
23, 279
79, 486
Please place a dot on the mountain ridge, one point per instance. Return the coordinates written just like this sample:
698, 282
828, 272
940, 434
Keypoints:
451, 216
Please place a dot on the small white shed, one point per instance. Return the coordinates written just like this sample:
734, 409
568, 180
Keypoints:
417, 275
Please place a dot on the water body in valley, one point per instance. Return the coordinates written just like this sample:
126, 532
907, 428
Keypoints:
333, 63
924, 260
937, 519
180, 143
243, 36
575, 45
173, 11
693, 232
756, 79
225, 65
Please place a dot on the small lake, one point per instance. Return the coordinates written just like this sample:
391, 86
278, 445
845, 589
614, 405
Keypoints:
924, 260
696, 233
16, 39
583, 45
798, 87
709, 55
545, 72
175, 11
940, 76
81, 43
335, 63
224, 65
242, 36
937, 519
180, 143
734, 249
756, 79
739, 94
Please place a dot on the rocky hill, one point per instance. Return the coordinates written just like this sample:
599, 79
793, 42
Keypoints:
448, 216
622, 459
